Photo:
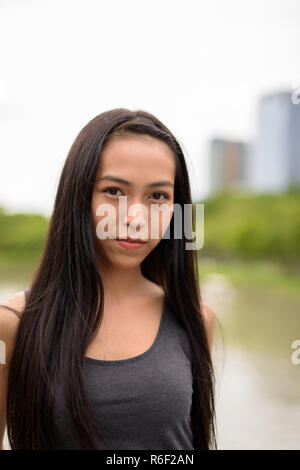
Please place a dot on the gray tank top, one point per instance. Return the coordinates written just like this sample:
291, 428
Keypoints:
143, 402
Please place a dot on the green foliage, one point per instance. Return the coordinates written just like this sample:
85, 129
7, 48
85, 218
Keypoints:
247, 226
22, 236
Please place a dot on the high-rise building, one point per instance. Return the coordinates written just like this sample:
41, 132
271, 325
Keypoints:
274, 164
227, 164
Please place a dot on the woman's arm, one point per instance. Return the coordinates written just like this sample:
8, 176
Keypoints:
9, 322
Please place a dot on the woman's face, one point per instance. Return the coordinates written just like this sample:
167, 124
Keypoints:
147, 166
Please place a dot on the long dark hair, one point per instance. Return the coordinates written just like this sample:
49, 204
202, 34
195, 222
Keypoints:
66, 298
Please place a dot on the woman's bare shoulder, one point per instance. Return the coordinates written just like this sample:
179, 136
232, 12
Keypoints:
10, 311
15, 303
209, 322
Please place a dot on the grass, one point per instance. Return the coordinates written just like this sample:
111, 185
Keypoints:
264, 275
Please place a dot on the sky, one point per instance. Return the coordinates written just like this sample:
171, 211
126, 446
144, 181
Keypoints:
199, 66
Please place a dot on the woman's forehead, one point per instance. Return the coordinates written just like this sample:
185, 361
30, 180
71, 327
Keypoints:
137, 156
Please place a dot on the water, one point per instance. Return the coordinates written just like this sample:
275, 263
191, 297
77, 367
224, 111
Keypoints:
258, 386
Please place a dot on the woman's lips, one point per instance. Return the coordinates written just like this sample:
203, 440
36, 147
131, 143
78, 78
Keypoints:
130, 244
131, 240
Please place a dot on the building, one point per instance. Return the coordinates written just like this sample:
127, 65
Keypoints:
228, 165
274, 164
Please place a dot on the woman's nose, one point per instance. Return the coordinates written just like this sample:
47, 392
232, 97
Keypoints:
136, 217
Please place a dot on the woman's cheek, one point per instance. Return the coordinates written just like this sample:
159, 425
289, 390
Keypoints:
105, 217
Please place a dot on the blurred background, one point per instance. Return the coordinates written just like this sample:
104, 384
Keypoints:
225, 78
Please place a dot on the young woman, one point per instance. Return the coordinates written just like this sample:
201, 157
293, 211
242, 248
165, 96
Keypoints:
109, 348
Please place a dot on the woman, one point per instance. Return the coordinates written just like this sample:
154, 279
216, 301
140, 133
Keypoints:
111, 346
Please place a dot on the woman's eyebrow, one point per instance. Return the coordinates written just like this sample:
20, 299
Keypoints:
121, 180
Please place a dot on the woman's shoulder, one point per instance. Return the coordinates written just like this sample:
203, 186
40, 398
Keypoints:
209, 322
11, 310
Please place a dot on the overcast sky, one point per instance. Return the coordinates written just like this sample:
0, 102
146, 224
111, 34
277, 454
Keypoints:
199, 66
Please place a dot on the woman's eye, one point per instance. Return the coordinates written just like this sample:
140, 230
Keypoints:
161, 194
111, 189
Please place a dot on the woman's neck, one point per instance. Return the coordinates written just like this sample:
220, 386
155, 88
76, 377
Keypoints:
122, 283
